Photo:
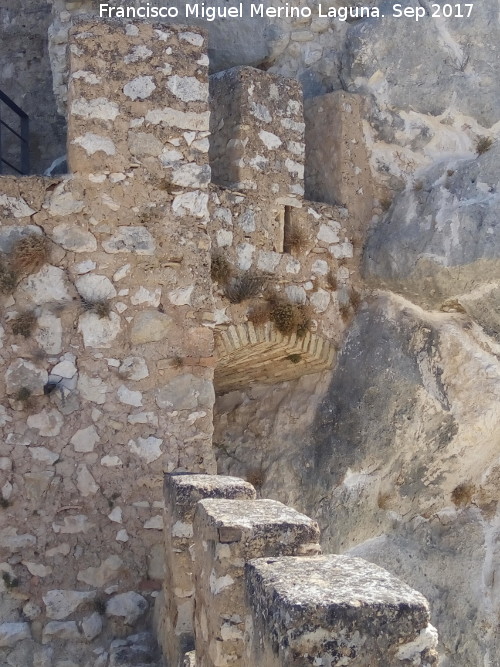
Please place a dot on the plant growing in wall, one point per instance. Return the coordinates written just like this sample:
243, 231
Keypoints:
289, 317
24, 324
245, 286
220, 268
30, 253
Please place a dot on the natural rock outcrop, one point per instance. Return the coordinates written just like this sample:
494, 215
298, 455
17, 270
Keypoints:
439, 244
395, 455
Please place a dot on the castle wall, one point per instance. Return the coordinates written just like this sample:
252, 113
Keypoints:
265, 596
107, 362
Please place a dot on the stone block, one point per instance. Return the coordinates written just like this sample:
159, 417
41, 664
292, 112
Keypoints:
256, 125
182, 492
335, 610
337, 168
227, 534
157, 91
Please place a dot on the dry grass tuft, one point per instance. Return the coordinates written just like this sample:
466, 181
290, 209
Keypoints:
220, 268
289, 317
331, 280
483, 144
385, 203
462, 494
294, 358
101, 307
355, 299
259, 314
177, 362
246, 286
345, 311
24, 324
295, 238
30, 253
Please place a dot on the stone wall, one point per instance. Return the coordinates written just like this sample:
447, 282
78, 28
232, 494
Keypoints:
107, 362
110, 321
265, 596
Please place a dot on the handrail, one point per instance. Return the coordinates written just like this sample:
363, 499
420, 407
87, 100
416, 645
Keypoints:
24, 167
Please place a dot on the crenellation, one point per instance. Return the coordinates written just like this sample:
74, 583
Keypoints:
264, 595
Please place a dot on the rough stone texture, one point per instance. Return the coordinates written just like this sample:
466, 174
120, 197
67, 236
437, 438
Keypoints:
175, 610
335, 610
228, 533
402, 455
82, 408
256, 117
336, 157
440, 245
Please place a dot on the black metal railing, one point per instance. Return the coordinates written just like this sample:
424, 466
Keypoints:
22, 135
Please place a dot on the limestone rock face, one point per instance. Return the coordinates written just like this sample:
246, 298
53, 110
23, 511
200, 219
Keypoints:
395, 455
440, 244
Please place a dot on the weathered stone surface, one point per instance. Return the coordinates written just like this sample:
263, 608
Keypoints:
128, 606
60, 604
440, 245
150, 326
329, 608
60, 630
99, 576
11, 633
130, 239
186, 392
24, 374
99, 332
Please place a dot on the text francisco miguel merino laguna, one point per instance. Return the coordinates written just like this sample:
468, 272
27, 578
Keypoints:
200, 10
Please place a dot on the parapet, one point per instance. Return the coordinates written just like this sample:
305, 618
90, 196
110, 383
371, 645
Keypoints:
257, 132
265, 596
335, 610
